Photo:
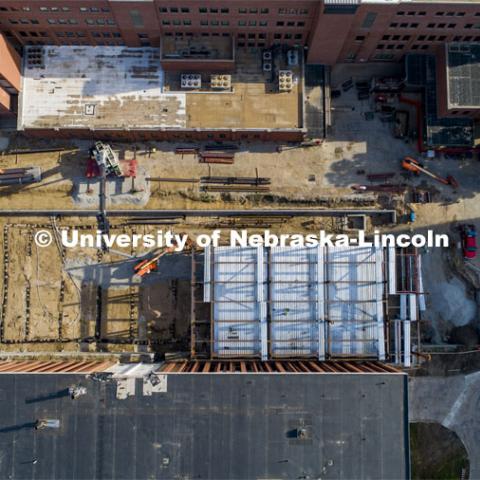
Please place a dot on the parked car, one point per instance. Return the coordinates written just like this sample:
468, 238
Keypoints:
469, 241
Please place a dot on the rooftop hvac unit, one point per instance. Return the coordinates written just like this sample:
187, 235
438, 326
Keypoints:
285, 80
221, 82
190, 80
292, 58
267, 66
35, 57
267, 55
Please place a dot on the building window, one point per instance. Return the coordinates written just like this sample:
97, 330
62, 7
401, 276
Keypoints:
360, 38
263, 23
204, 23
264, 11
384, 56
369, 20
136, 18
203, 10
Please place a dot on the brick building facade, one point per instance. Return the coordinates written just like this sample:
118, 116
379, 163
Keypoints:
331, 31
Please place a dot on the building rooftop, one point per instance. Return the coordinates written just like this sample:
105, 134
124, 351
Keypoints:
439, 131
120, 88
210, 426
463, 75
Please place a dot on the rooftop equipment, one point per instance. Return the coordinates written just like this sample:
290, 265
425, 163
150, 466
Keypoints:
221, 82
190, 80
285, 80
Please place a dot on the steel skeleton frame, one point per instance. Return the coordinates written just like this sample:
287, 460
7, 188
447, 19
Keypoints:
318, 345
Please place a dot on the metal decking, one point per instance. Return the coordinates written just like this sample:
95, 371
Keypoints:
296, 302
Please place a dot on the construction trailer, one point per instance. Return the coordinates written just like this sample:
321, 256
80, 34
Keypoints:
314, 303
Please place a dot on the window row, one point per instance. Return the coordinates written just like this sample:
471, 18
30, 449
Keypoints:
63, 21
57, 9
226, 23
437, 14
242, 11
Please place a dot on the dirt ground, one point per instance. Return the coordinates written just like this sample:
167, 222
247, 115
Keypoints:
83, 300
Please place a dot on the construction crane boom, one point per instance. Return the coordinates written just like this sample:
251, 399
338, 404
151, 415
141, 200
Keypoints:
412, 165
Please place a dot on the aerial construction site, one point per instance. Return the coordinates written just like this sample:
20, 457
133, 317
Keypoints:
240, 189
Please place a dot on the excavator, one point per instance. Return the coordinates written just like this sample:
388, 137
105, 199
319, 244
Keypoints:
412, 165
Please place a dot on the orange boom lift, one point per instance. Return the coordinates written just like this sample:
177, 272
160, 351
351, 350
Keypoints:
412, 165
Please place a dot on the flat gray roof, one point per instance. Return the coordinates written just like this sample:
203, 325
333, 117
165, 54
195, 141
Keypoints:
210, 426
463, 70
